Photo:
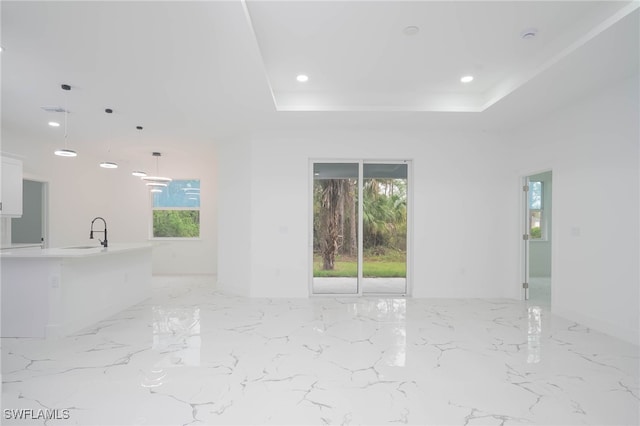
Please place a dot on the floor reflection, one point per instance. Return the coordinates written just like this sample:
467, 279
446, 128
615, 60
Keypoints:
533, 335
176, 334
390, 311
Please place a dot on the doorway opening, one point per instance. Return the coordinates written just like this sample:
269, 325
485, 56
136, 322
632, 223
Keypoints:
360, 223
31, 227
538, 195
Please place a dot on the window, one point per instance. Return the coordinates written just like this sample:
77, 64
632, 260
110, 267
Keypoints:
176, 210
536, 207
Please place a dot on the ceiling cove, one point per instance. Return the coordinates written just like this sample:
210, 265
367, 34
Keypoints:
411, 56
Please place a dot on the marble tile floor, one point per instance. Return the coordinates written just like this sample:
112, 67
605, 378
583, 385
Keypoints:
540, 291
192, 356
348, 285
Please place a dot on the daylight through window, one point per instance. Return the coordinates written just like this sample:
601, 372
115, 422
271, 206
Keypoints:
176, 210
535, 210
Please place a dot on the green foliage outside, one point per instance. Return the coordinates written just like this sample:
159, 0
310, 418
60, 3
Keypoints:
536, 232
176, 223
391, 265
384, 227
385, 215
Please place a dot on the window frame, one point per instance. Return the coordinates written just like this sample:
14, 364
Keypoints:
152, 209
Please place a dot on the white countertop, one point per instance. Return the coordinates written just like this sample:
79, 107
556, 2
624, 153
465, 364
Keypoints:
72, 252
20, 246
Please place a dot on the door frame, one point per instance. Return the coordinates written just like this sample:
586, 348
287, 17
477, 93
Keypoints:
45, 204
523, 226
409, 238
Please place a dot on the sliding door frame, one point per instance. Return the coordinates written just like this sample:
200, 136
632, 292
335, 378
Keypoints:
409, 238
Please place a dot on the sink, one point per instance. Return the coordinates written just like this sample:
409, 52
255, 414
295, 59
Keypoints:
81, 247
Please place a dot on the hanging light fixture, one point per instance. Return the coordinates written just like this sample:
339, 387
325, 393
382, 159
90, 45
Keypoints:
65, 152
108, 164
157, 181
138, 173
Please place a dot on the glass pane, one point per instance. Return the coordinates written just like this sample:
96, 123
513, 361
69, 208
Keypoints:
335, 228
384, 265
179, 193
535, 195
535, 223
176, 223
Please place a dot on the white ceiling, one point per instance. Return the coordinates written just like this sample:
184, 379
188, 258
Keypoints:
194, 73
359, 59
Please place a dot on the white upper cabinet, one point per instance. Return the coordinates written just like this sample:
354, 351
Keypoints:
11, 195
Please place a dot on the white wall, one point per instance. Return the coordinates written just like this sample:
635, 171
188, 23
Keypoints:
465, 211
234, 217
79, 190
592, 148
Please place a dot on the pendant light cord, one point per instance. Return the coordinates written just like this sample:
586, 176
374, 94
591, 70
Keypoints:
66, 113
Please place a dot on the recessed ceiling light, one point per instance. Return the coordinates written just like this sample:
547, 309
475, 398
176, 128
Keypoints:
155, 190
108, 165
467, 79
302, 78
138, 173
411, 30
54, 124
529, 33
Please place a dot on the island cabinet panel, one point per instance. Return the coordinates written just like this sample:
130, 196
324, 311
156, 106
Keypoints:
50, 293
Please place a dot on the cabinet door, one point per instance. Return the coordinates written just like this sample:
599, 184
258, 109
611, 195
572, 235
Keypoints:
11, 195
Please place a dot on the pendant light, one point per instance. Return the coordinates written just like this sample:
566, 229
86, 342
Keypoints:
138, 173
108, 164
156, 182
65, 152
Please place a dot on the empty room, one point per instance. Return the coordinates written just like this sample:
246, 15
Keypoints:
320, 212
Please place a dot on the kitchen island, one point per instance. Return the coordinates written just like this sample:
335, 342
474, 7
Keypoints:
59, 291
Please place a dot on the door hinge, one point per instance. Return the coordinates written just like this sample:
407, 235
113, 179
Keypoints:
525, 237
525, 188
525, 285
0, 206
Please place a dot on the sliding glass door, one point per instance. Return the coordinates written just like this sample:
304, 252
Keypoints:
359, 248
335, 228
384, 218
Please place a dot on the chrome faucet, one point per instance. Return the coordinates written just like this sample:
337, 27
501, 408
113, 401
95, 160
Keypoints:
103, 243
